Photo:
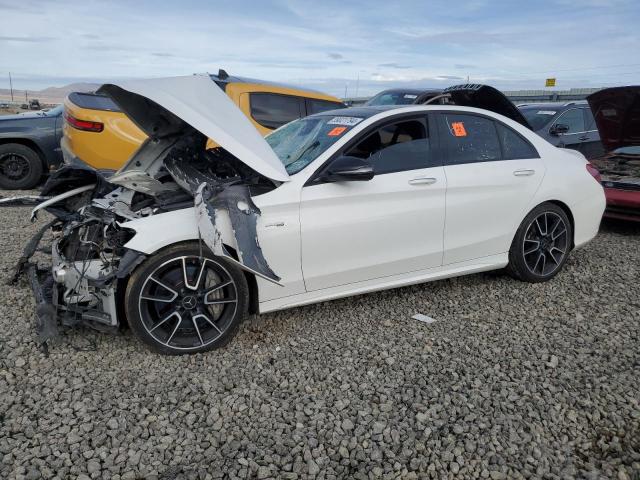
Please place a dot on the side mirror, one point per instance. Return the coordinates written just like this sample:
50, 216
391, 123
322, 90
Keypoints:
348, 169
559, 129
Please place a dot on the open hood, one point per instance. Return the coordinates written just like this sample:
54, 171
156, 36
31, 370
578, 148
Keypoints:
617, 114
487, 98
165, 107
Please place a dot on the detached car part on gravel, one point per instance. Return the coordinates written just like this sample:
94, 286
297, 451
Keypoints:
183, 241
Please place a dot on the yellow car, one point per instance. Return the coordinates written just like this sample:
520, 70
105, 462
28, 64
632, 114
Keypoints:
98, 134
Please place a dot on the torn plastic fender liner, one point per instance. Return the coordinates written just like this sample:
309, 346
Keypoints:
210, 194
243, 213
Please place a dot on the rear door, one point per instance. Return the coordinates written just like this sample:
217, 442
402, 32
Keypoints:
492, 173
392, 224
591, 145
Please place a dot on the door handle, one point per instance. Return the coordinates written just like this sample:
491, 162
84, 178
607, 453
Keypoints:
423, 181
524, 173
583, 138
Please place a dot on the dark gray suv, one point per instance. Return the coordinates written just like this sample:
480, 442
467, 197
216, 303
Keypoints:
568, 125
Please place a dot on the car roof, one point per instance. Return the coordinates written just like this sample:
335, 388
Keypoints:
236, 79
417, 91
360, 111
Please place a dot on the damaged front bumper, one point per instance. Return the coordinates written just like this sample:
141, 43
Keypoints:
72, 293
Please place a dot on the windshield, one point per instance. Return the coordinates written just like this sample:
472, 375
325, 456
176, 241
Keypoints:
300, 142
393, 98
538, 117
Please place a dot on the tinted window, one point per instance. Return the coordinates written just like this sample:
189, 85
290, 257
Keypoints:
395, 147
317, 106
589, 121
514, 146
394, 98
273, 111
538, 117
471, 139
573, 119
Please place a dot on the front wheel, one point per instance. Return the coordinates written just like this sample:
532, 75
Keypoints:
186, 300
541, 245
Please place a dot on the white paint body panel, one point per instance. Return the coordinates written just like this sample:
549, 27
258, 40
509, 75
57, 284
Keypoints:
356, 237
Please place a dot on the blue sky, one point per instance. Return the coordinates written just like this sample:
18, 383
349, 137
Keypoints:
327, 45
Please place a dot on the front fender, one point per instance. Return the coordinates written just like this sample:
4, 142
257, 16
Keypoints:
159, 231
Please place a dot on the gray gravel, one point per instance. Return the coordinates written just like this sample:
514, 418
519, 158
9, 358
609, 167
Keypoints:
512, 381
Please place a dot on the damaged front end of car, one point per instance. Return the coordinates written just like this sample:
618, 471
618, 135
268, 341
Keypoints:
93, 211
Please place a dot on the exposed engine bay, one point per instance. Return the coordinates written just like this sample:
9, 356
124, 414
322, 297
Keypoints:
621, 171
90, 260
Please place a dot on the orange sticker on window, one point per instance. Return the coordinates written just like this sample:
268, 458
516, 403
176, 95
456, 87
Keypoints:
336, 131
458, 129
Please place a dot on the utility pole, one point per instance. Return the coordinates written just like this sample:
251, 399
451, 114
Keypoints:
11, 87
357, 84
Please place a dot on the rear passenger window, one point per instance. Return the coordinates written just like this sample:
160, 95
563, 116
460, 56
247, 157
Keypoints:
471, 139
514, 147
396, 147
272, 110
317, 106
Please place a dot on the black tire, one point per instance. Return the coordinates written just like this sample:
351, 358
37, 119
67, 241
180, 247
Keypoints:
189, 321
20, 167
541, 245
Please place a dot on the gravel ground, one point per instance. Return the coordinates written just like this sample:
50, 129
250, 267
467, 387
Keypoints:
512, 381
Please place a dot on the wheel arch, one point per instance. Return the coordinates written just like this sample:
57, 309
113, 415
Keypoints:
569, 213
254, 298
559, 203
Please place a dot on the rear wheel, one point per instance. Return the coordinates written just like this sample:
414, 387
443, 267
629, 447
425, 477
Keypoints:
541, 245
20, 167
180, 302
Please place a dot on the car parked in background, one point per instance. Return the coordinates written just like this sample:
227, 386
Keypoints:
617, 114
565, 125
29, 147
101, 136
404, 96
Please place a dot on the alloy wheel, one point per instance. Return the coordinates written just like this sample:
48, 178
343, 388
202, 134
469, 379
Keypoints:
188, 302
546, 244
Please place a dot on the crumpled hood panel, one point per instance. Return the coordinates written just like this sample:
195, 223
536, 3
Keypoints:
165, 106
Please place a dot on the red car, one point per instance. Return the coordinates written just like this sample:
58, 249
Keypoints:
617, 114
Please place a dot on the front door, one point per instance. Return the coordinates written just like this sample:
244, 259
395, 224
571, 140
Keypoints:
392, 224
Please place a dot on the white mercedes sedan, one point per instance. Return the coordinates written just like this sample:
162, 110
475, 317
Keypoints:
184, 241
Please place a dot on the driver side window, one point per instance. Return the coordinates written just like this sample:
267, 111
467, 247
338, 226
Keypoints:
396, 147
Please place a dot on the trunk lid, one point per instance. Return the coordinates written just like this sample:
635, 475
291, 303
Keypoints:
487, 98
617, 114
168, 107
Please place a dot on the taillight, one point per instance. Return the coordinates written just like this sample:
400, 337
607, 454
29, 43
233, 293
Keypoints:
85, 125
594, 172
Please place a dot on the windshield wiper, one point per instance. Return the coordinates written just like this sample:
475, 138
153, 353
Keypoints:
310, 147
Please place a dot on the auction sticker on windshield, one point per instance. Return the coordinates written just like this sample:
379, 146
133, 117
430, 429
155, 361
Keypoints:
346, 121
337, 131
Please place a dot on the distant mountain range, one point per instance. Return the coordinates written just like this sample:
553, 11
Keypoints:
48, 95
